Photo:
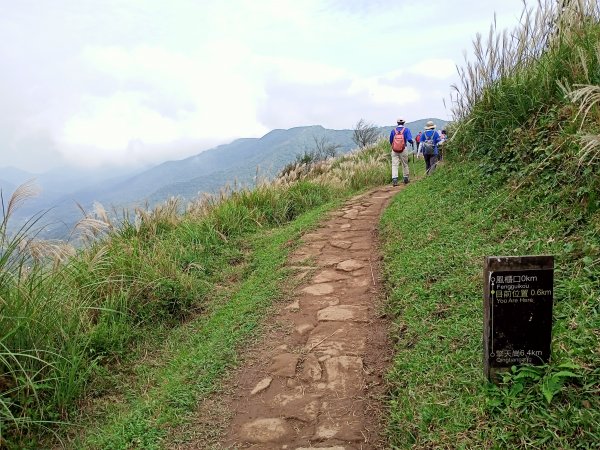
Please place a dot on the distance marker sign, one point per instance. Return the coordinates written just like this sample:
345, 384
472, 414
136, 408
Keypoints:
518, 311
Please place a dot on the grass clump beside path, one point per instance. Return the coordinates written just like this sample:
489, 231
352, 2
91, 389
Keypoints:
436, 234
194, 358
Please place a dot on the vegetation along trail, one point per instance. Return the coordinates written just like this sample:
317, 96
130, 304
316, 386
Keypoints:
318, 374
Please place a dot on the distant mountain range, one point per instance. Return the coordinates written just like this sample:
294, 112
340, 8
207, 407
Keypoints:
238, 162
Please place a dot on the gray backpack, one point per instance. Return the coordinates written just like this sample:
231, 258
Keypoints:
427, 143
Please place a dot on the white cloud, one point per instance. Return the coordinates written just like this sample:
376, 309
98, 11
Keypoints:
112, 123
139, 81
379, 92
302, 71
163, 97
440, 68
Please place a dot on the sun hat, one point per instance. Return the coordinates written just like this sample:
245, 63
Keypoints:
400, 120
429, 125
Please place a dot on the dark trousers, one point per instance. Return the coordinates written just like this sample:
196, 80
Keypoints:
430, 162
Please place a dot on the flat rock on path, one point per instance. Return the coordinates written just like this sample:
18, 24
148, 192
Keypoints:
314, 383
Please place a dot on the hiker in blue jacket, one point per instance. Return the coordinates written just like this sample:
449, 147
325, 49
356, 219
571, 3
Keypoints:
401, 157
429, 147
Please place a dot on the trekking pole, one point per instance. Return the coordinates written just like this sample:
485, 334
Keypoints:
413, 174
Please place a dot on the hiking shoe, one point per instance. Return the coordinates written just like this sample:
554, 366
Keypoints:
394, 181
405, 180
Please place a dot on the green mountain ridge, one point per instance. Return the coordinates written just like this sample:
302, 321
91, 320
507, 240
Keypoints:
237, 163
264, 157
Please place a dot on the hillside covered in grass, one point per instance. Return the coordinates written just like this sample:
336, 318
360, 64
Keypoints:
114, 344
521, 177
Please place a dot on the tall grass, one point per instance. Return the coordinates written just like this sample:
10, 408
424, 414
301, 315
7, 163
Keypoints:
552, 42
355, 170
521, 79
527, 105
31, 334
64, 315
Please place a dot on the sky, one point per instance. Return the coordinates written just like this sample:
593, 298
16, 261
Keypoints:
132, 83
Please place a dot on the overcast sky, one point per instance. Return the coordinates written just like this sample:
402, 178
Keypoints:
137, 82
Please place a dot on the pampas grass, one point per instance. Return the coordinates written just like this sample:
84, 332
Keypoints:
506, 54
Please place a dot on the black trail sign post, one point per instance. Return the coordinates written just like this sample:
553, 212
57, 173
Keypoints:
518, 297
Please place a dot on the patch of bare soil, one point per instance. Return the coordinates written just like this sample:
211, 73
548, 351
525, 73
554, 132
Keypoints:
315, 380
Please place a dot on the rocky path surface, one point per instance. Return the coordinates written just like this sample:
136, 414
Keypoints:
317, 382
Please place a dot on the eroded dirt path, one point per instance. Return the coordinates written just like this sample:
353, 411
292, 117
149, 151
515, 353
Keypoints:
317, 382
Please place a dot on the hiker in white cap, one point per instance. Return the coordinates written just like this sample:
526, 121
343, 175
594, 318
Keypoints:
398, 139
429, 146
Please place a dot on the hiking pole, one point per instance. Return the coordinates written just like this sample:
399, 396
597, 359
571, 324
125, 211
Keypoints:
413, 173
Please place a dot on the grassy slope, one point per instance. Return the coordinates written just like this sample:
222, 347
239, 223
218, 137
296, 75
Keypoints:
195, 357
436, 233
136, 329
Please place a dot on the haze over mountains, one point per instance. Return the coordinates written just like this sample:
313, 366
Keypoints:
238, 162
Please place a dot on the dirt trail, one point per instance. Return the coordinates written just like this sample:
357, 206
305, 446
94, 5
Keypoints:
316, 383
